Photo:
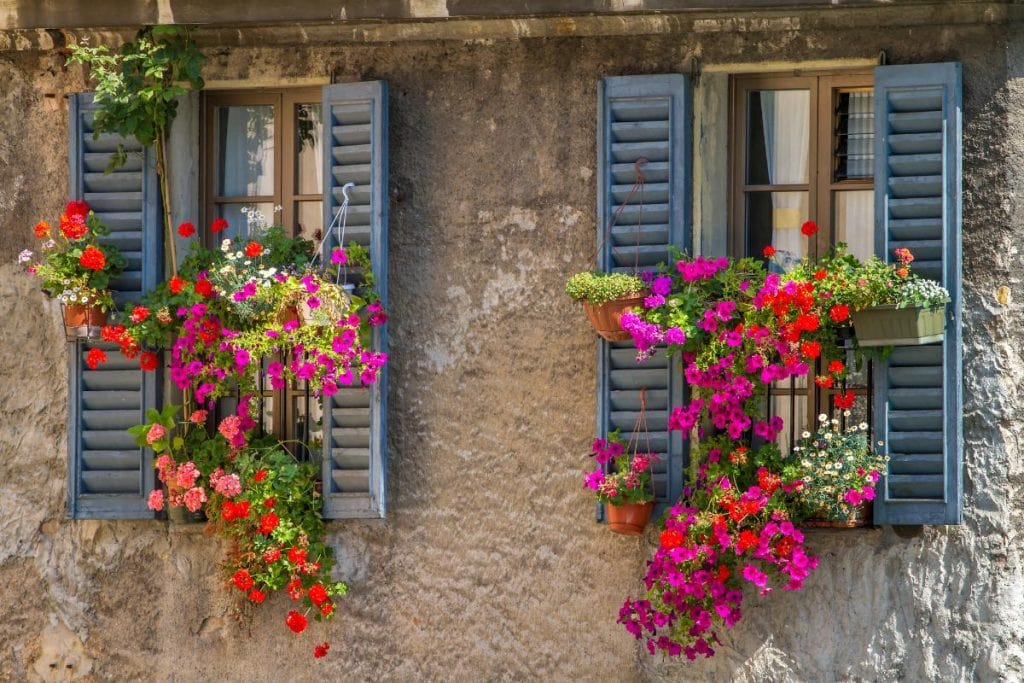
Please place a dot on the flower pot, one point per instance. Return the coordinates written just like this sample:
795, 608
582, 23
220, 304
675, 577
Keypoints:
83, 321
629, 519
181, 515
606, 318
860, 516
891, 326
287, 314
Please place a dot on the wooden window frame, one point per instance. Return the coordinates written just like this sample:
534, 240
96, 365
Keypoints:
286, 194
821, 187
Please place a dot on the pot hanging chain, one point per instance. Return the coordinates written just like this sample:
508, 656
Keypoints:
638, 186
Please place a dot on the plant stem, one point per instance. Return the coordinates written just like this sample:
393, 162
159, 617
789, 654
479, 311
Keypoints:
165, 194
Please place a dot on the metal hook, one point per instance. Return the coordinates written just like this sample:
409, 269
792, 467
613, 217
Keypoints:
344, 190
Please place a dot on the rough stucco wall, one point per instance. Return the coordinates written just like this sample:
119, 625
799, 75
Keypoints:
489, 565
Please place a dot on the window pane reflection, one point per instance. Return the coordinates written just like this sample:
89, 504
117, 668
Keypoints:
245, 151
775, 218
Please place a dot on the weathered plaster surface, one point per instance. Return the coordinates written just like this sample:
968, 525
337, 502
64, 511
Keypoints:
489, 565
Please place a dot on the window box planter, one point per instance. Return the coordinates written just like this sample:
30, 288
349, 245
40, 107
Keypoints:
629, 519
891, 326
606, 318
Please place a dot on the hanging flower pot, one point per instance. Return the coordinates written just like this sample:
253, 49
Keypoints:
629, 519
605, 297
891, 326
860, 516
82, 321
180, 515
606, 317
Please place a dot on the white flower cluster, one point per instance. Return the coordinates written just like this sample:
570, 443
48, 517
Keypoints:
922, 292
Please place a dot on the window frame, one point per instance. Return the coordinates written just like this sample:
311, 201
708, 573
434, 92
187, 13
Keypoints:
286, 195
821, 188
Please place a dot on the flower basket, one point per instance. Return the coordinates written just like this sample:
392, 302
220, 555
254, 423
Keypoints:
605, 318
82, 321
629, 519
891, 326
860, 516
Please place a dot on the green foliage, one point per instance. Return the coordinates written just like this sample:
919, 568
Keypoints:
599, 288
137, 87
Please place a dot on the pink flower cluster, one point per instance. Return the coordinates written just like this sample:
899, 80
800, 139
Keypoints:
181, 485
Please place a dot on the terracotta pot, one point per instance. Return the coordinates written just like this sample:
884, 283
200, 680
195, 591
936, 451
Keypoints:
180, 515
287, 315
83, 321
861, 516
606, 317
629, 519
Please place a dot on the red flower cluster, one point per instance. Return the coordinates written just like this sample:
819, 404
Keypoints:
92, 258
204, 287
268, 523
321, 650
242, 580
296, 621
230, 511
95, 358
186, 229
72, 221
253, 249
218, 225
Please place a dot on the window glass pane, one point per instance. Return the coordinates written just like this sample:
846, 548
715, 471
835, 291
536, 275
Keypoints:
308, 156
778, 136
309, 217
793, 411
238, 218
245, 151
855, 135
775, 218
855, 221
269, 414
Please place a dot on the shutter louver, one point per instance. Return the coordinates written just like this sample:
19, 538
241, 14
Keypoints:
643, 117
355, 419
109, 476
917, 206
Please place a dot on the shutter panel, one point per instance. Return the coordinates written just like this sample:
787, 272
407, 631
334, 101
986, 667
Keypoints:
355, 419
917, 205
643, 117
109, 476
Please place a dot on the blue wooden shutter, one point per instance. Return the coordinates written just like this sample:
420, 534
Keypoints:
643, 117
917, 205
109, 476
355, 119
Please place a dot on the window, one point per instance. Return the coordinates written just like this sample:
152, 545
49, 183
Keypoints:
803, 149
263, 152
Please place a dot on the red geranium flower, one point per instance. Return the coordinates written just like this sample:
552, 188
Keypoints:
321, 650
204, 287
92, 258
809, 228
95, 358
139, 314
811, 349
820, 274
836, 367
186, 229
326, 608
769, 251
317, 594
253, 249
147, 361
268, 523
295, 589
257, 596
839, 313
269, 502
242, 580
77, 208
297, 555
823, 381
218, 225
844, 401
73, 227
259, 475
723, 572
670, 538
42, 229
296, 622
175, 284
748, 539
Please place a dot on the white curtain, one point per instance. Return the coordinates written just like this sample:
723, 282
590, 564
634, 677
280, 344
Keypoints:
247, 151
785, 115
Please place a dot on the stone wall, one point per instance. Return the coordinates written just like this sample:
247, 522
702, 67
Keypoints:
489, 565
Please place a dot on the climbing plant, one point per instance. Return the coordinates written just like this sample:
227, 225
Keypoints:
137, 90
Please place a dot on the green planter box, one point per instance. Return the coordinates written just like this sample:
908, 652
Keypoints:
891, 326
